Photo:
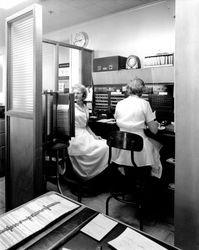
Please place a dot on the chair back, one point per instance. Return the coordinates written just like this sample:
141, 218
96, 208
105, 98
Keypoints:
126, 141
58, 116
64, 114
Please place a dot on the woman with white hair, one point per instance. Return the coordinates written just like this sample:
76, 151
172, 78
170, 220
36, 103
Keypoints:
134, 114
88, 152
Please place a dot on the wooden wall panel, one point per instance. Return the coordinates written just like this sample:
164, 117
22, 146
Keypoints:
21, 160
87, 66
24, 172
187, 125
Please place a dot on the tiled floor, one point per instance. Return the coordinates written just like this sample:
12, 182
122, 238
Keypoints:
158, 223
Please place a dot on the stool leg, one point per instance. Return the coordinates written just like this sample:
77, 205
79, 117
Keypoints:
107, 203
141, 217
79, 193
141, 203
62, 167
57, 174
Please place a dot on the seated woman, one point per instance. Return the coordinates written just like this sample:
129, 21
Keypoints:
134, 114
88, 152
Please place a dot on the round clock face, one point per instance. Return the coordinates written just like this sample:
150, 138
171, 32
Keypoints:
81, 39
132, 62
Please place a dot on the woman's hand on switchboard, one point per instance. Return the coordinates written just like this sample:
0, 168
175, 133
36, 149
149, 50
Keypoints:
97, 137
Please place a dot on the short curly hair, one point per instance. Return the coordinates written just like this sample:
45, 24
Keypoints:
135, 87
81, 88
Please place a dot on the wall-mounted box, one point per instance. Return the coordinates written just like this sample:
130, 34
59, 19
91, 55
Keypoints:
109, 63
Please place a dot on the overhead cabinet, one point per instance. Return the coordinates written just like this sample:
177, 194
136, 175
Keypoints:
162, 74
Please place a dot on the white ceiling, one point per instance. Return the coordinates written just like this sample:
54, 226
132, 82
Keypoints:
58, 14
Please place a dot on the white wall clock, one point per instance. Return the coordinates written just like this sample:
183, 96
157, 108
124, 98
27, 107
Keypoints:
81, 39
133, 62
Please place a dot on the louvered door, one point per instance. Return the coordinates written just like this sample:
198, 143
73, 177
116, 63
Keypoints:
24, 177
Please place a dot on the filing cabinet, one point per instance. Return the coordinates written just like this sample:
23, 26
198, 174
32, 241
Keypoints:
2, 146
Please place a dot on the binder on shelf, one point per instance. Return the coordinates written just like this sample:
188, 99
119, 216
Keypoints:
163, 59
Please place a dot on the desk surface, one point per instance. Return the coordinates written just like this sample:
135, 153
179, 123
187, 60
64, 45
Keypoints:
167, 131
65, 232
103, 126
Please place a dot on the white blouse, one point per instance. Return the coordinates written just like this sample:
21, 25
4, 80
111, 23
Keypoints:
132, 114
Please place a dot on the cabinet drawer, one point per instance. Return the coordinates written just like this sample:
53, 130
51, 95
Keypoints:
2, 126
2, 139
2, 153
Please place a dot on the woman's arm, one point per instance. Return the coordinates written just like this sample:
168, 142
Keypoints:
151, 122
153, 126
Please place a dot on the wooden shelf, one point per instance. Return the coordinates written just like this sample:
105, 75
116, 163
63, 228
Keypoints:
157, 66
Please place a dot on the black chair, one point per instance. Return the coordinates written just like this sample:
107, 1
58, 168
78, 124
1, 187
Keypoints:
131, 188
58, 127
55, 162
